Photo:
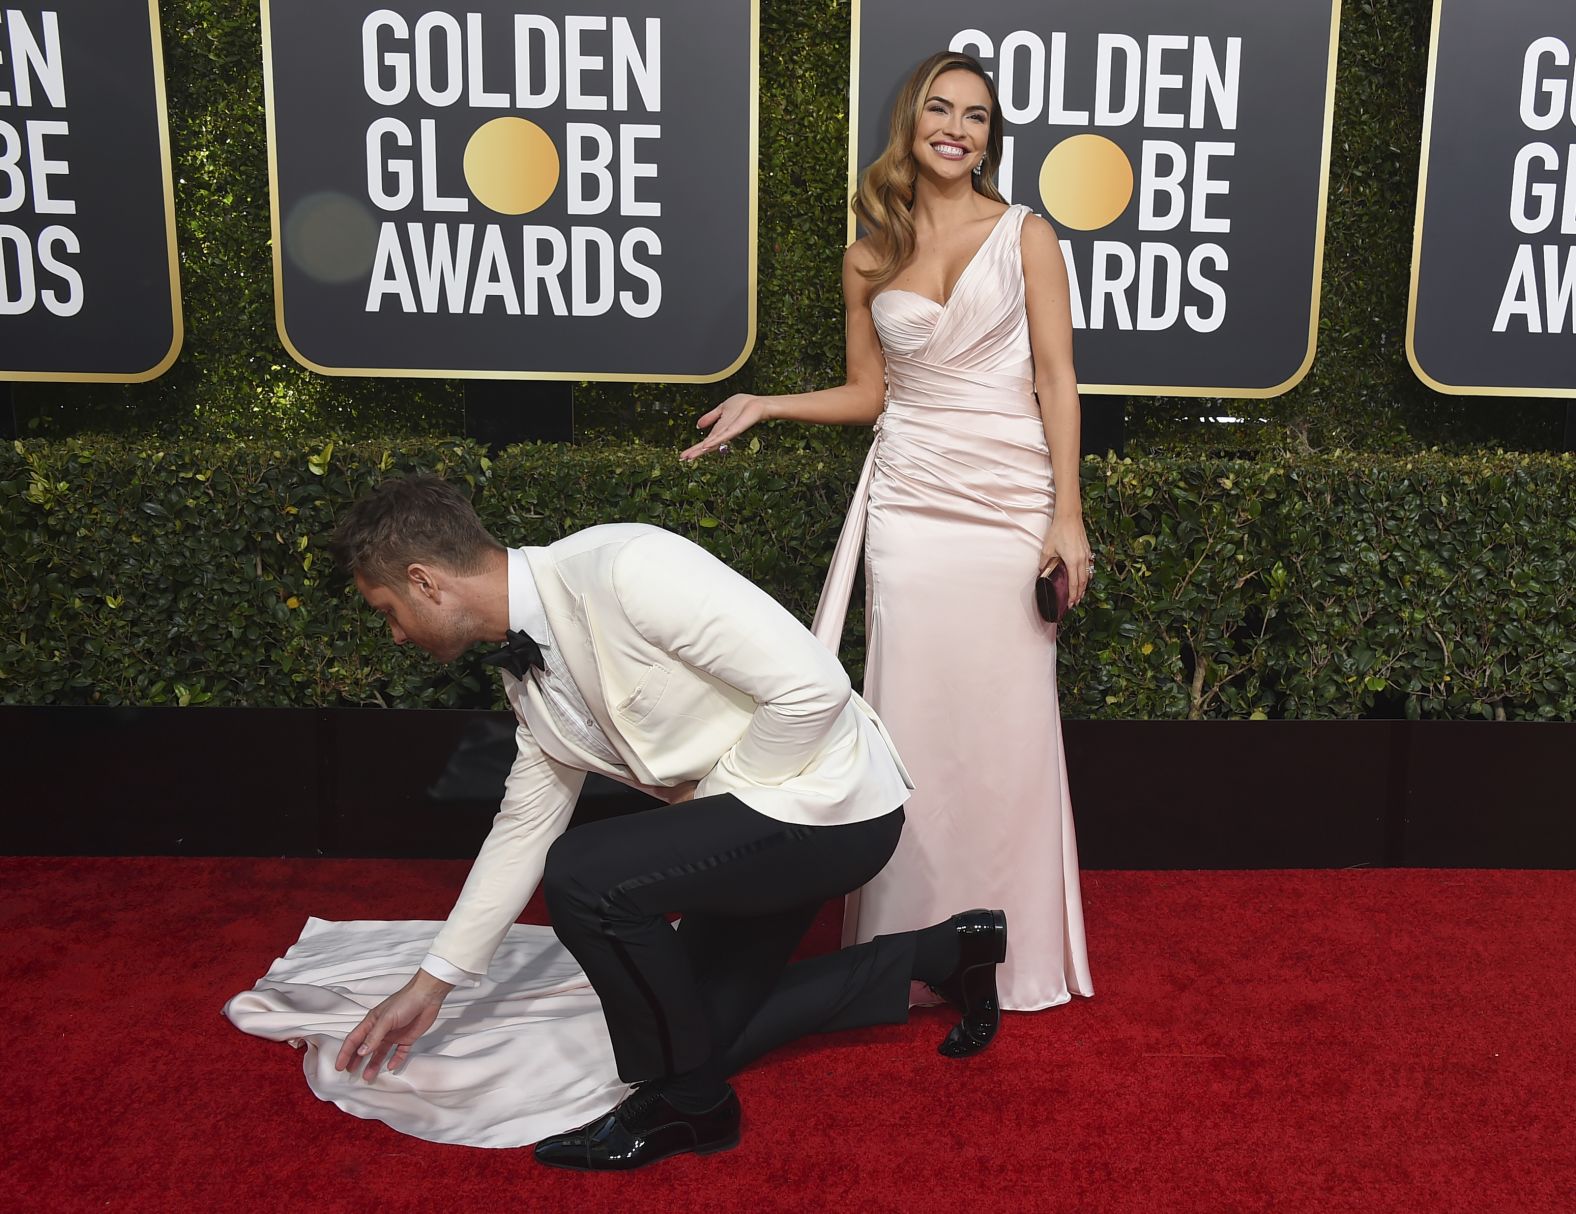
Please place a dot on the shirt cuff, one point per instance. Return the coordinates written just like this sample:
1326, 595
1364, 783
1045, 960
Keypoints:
445, 971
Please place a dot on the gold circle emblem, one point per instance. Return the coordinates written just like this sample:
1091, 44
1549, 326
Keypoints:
511, 166
1086, 182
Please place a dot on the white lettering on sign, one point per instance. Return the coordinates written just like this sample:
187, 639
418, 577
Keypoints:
1540, 289
594, 67
1164, 83
36, 271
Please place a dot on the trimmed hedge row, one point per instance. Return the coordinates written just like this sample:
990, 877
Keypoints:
174, 574
1321, 587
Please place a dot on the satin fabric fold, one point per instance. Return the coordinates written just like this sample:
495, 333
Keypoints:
521, 1056
951, 510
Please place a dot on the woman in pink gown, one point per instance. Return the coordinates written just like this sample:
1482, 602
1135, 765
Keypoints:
959, 352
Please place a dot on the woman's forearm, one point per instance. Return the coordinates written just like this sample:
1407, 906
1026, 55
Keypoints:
845, 405
1062, 416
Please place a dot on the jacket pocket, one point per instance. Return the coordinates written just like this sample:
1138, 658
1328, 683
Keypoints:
637, 706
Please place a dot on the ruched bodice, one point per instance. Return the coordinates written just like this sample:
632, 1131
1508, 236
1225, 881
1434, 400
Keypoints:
961, 413
951, 511
982, 329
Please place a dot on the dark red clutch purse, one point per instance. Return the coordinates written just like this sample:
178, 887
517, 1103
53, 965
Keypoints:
1050, 593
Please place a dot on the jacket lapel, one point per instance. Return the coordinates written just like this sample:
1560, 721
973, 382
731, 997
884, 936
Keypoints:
566, 616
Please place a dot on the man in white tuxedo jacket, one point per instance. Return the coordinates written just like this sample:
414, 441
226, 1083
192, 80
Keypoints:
634, 653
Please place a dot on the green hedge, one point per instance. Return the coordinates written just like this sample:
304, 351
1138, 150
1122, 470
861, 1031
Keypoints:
1317, 587
234, 379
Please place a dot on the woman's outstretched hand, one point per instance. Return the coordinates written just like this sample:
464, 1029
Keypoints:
727, 421
1066, 542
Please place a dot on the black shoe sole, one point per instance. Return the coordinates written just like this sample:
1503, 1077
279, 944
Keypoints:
711, 1148
976, 992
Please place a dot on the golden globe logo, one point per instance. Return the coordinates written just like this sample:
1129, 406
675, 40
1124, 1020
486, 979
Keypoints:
497, 189
1164, 83
1180, 150
596, 66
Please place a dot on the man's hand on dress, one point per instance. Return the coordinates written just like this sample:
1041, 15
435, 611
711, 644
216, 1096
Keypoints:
395, 1023
1067, 543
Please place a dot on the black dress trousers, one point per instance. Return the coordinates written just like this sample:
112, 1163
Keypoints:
719, 989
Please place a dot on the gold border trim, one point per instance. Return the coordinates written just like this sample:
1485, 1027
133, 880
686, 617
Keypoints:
853, 121
177, 320
1417, 254
1319, 228
753, 239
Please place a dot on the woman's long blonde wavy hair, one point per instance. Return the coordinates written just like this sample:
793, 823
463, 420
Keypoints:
885, 199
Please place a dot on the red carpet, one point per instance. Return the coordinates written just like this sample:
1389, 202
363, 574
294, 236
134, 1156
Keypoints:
1332, 1041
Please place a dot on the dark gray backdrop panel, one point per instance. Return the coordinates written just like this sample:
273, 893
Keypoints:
1275, 201
1468, 242
117, 179
321, 115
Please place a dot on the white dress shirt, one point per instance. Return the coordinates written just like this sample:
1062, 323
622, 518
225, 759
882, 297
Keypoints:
563, 698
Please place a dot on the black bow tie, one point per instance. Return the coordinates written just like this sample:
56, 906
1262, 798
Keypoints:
518, 656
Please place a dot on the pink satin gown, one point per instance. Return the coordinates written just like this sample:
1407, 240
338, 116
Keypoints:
952, 508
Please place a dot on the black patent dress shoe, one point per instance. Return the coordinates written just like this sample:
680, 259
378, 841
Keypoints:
971, 988
643, 1129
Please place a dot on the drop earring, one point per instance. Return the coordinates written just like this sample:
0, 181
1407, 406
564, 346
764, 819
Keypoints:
979, 166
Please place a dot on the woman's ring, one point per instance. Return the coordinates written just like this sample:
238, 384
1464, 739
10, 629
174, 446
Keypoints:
723, 448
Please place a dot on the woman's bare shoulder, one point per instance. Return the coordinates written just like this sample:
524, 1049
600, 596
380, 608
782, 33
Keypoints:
864, 253
861, 260
1038, 237
1039, 225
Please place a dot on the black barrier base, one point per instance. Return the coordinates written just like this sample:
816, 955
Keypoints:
1148, 794
10, 427
503, 411
1104, 425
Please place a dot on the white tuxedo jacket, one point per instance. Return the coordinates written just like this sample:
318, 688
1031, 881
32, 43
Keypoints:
693, 673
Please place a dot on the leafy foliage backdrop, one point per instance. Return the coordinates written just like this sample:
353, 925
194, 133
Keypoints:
1426, 586
1360, 547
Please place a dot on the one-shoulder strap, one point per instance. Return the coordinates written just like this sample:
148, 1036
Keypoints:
832, 611
1016, 225
997, 262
